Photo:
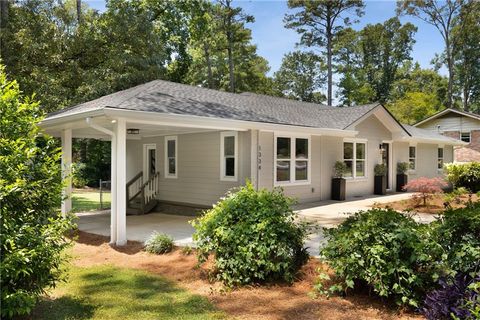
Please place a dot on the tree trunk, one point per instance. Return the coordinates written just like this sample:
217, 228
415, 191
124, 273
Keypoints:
3, 13
209, 65
79, 11
329, 60
230, 62
450, 72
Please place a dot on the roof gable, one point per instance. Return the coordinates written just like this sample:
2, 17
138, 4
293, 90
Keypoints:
446, 112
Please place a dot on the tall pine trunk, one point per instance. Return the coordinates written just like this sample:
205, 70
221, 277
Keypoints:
329, 66
3, 13
209, 65
231, 66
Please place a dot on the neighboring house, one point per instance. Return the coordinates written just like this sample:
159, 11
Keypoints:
182, 144
458, 125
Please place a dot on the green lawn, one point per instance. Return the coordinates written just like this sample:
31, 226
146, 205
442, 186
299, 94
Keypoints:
89, 200
107, 292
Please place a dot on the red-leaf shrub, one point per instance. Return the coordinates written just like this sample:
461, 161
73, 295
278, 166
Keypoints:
426, 187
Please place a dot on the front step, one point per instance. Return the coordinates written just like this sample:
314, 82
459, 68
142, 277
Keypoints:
135, 209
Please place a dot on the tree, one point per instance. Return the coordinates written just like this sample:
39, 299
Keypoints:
232, 22
413, 107
33, 231
442, 16
466, 33
299, 77
369, 59
318, 22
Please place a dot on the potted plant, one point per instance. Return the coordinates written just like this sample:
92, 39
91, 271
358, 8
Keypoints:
338, 182
380, 184
402, 177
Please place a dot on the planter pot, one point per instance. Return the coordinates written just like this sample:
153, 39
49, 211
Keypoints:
402, 180
338, 189
380, 185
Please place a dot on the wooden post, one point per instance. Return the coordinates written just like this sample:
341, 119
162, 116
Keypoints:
67, 170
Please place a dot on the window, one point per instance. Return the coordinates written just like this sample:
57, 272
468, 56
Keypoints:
228, 156
171, 150
292, 160
412, 157
440, 158
355, 157
465, 137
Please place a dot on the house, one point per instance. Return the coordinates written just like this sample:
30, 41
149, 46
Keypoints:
182, 144
458, 125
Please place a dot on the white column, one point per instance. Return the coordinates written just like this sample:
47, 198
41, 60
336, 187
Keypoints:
121, 159
67, 170
113, 191
254, 158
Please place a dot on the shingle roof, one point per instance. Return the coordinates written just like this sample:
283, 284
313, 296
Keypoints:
427, 134
174, 98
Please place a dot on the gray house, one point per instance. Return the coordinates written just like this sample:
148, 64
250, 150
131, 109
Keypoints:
187, 145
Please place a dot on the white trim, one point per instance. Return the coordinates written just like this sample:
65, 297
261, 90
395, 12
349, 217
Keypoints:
354, 160
440, 146
147, 147
167, 174
293, 159
223, 135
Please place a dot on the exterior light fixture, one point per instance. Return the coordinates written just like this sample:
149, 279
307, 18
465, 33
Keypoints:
133, 131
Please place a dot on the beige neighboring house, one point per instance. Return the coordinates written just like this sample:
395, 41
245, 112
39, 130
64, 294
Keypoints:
179, 144
458, 125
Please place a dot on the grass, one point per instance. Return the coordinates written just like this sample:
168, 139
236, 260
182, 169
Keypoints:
107, 292
89, 201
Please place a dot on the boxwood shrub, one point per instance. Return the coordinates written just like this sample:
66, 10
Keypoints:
159, 243
386, 251
253, 237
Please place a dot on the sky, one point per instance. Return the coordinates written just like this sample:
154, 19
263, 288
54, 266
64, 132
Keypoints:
273, 40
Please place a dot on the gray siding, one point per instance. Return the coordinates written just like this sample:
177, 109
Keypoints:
452, 122
198, 173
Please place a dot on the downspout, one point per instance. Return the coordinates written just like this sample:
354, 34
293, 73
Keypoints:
113, 180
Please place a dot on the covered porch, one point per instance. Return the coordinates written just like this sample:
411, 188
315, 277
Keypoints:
132, 170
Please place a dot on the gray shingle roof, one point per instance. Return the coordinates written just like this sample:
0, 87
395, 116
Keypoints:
427, 134
174, 98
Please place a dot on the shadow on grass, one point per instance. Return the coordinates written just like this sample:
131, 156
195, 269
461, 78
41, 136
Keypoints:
107, 292
63, 308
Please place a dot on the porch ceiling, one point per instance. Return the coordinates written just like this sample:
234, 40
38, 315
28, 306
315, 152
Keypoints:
80, 129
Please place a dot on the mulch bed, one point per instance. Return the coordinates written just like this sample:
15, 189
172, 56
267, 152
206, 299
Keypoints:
279, 301
435, 204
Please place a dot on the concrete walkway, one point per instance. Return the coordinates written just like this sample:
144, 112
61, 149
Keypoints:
324, 214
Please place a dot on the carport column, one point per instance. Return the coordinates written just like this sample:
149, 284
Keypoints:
254, 158
67, 170
113, 188
121, 159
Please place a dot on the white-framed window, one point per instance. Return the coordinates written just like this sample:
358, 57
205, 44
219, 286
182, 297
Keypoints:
412, 157
355, 158
171, 157
440, 158
466, 136
292, 160
229, 156
149, 160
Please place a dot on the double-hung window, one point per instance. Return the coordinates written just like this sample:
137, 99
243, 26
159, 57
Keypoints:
440, 159
228, 156
412, 157
355, 158
465, 136
171, 151
292, 160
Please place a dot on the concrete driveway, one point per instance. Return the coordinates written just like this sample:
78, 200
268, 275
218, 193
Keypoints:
324, 214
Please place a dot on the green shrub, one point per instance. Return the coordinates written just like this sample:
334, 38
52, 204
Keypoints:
464, 175
187, 250
385, 250
253, 237
78, 179
403, 167
458, 232
32, 229
159, 243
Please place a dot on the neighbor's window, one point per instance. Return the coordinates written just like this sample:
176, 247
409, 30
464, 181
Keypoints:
440, 158
171, 157
465, 137
292, 159
355, 157
412, 157
228, 154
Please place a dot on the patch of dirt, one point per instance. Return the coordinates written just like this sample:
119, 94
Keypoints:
435, 204
257, 302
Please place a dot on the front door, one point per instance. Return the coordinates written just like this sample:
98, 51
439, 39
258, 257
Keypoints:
149, 161
386, 161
